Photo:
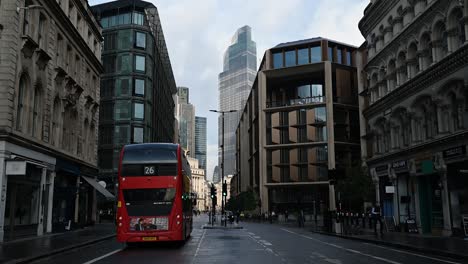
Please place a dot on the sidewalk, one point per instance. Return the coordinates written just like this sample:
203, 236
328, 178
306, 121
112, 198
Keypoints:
452, 247
27, 250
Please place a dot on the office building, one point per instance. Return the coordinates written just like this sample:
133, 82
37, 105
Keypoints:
186, 121
300, 120
414, 114
200, 141
50, 63
235, 82
137, 85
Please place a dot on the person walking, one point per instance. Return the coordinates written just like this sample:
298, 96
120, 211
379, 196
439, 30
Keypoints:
377, 216
286, 215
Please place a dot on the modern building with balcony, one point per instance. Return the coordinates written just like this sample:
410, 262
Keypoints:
300, 120
137, 85
50, 63
414, 111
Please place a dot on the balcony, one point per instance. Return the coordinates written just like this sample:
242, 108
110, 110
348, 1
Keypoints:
296, 101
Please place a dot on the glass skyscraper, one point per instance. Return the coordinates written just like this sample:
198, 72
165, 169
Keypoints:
186, 121
200, 141
235, 82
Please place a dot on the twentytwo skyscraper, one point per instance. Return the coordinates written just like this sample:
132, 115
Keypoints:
235, 82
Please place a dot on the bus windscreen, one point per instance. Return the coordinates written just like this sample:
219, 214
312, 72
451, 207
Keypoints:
149, 202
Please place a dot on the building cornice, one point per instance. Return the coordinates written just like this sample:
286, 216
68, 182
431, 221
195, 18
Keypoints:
436, 72
432, 145
16, 138
374, 15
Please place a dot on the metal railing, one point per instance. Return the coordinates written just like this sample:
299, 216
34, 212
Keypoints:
296, 101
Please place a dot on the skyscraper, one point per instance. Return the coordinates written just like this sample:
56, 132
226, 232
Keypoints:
200, 141
137, 85
235, 82
186, 121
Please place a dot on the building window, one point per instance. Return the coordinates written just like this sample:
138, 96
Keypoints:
123, 63
122, 86
138, 18
316, 54
137, 135
277, 60
122, 134
140, 63
140, 40
339, 59
348, 58
122, 110
320, 114
105, 135
22, 95
290, 58
42, 32
110, 41
37, 101
138, 110
330, 53
139, 87
303, 56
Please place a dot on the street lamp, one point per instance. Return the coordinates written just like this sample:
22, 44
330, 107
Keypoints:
223, 198
28, 7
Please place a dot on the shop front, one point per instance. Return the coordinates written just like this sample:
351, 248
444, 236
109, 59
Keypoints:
457, 177
26, 177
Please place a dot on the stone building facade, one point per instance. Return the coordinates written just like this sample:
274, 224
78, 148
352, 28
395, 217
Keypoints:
414, 110
49, 93
198, 184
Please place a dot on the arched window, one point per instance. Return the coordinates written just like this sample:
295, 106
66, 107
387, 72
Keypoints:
391, 75
413, 62
86, 143
21, 109
455, 116
36, 112
92, 142
456, 27
441, 40
402, 69
374, 88
56, 120
382, 83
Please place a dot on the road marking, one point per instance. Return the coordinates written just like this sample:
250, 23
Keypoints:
199, 244
349, 250
414, 254
103, 256
289, 231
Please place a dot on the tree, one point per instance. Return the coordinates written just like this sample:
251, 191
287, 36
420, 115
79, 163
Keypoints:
355, 188
244, 201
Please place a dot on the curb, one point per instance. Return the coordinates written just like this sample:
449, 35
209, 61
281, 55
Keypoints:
221, 227
399, 246
58, 251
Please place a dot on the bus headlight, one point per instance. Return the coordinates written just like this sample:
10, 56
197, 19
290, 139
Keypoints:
178, 216
120, 218
178, 222
120, 224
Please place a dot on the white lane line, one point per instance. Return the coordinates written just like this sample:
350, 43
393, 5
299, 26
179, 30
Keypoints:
414, 254
199, 244
349, 250
289, 231
103, 256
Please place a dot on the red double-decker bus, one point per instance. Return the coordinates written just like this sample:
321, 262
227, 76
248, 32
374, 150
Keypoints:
154, 201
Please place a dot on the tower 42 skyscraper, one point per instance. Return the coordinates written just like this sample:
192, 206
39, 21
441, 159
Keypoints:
235, 82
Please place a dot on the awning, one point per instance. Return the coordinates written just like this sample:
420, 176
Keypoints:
99, 188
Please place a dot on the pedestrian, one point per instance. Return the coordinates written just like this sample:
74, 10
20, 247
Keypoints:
286, 215
237, 216
377, 216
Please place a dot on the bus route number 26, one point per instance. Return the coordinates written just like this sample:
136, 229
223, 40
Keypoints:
149, 170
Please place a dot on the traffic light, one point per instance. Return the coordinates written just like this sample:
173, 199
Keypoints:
224, 189
213, 192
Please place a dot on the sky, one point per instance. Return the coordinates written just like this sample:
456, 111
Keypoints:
198, 32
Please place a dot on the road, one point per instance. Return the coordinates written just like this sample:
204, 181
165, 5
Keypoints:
256, 243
